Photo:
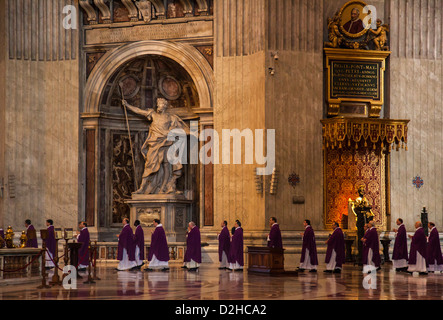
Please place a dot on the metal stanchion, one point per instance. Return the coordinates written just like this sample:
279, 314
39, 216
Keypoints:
90, 280
44, 235
95, 277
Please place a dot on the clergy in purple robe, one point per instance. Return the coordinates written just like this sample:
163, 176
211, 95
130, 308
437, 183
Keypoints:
30, 235
274, 237
50, 244
417, 253
371, 249
83, 252
433, 253
224, 244
400, 253
236, 260
308, 259
355, 25
139, 242
193, 254
126, 247
158, 255
2, 238
335, 253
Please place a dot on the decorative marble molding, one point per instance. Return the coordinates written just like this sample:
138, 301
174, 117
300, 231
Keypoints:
187, 7
90, 11
187, 56
203, 7
145, 8
104, 9
133, 13
160, 10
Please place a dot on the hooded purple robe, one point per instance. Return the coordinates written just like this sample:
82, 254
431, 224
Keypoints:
372, 242
126, 241
275, 240
309, 243
139, 240
401, 245
433, 252
224, 243
31, 243
50, 240
159, 245
236, 249
83, 252
418, 244
193, 246
336, 242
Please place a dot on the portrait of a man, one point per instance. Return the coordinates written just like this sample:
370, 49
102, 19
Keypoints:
355, 25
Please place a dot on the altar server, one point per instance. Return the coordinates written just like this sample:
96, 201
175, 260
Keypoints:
126, 247
158, 255
335, 253
433, 254
224, 244
30, 234
50, 245
139, 242
274, 237
417, 252
236, 260
308, 259
400, 253
83, 253
193, 255
371, 249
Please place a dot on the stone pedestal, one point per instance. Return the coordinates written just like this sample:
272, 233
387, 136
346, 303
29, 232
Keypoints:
174, 212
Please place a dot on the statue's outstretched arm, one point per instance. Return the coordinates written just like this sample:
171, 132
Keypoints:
145, 113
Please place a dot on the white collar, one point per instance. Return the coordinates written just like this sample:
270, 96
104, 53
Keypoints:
237, 228
159, 225
274, 224
432, 228
307, 226
84, 228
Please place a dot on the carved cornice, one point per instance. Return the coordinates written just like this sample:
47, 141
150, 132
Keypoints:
187, 7
145, 8
133, 13
90, 11
160, 10
203, 7
104, 9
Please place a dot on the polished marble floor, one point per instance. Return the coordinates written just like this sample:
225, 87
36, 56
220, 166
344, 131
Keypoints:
209, 283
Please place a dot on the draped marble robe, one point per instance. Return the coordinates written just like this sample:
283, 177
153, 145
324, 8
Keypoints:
371, 249
400, 253
308, 259
31, 243
193, 255
433, 254
50, 247
83, 252
236, 260
126, 249
224, 244
139, 242
274, 237
158, 255
335, 253
417, 253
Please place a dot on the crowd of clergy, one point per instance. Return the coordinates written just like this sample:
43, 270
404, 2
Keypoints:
424, 254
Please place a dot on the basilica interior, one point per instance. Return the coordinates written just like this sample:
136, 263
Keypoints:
303, 108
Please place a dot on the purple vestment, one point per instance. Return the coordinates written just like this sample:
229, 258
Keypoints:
83, 252
372, 242
336, 242
275, 240
126, 241
159, 245
193, 246
418, 244
433, 252
139, 240
309, 243
50, 240
236, 249
224, 243
401, 245
2, 234
31, 243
